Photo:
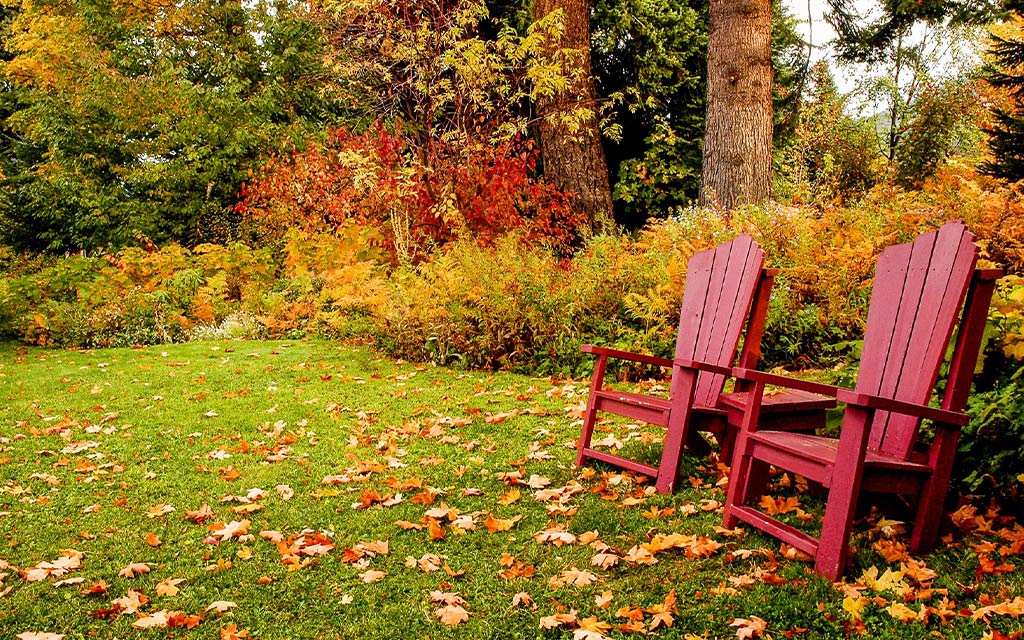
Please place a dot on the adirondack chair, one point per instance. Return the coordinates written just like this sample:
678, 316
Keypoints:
915, 299
725, 287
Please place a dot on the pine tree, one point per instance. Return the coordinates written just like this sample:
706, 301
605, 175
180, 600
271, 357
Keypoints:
1006, 136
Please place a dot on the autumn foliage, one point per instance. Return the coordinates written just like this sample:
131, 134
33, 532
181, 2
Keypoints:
419, 200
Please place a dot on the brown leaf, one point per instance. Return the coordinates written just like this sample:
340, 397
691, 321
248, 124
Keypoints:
168, 587
159, 510
232, 632
522, 599
134, 569
749, 628
152, 540
452, 614
371, 576
155, 620
220, 606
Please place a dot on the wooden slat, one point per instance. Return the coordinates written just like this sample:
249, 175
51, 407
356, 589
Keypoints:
913, 377
698, 278
619, 461
890, 275
780, 530
707, 329
741, 281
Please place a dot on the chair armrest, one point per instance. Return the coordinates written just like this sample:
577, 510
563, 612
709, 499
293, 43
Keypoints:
686, 363
898, 406
626, 355
752, 375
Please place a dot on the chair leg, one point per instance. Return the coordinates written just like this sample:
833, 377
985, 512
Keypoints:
587, 432
926, 520
684, 384
747, 483
830, 559
590, 418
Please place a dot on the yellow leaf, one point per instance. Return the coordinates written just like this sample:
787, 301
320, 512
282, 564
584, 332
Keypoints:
902, 612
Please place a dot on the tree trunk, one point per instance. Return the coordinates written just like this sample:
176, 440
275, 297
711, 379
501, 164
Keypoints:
574, 159
738, 140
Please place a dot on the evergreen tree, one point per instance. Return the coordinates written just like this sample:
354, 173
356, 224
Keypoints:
1006, 136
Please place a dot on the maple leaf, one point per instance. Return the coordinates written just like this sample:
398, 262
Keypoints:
902, 612
777, 506
451, 614
134, 569
574, 577
371, 576
640, 555
97, 588
510, 497
131, 602
522, 599
68, 582
285, 491
603, 600
495, 525
152, 540
169, 587
232, 632
155, 620
220, 606
555, 535
558, 620
39, 635
591, 629
1013, 608
200, 515
159, 510
229, 530
918, 572
537, 481
752, 628
446, 597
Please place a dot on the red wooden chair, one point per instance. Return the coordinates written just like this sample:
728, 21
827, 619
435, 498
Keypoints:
724, 286
917, 293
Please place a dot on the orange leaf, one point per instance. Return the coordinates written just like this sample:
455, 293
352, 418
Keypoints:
134, 569
452, 614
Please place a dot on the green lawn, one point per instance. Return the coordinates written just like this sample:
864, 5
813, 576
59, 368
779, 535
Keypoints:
107, 459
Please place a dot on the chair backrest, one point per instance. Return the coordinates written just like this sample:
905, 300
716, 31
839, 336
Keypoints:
720, 285
917, 293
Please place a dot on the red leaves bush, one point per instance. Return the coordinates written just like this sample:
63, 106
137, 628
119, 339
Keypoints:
421, 195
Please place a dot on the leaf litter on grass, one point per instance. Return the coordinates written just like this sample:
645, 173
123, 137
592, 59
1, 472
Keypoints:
130, 476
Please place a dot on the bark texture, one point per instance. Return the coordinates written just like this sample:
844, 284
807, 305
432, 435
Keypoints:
738, 140
574, 158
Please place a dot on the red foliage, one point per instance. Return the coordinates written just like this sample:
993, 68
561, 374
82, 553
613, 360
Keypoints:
429, 194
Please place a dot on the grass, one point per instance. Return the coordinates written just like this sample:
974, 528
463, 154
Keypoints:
92, 443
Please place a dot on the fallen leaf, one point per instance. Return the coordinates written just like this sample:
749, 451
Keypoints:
168, 587
749, 628
232, 632
451, 614
220, 606
134, 569
522, 599
155, 620
372, 575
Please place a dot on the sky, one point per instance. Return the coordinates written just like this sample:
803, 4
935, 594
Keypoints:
811, 22
813, 27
